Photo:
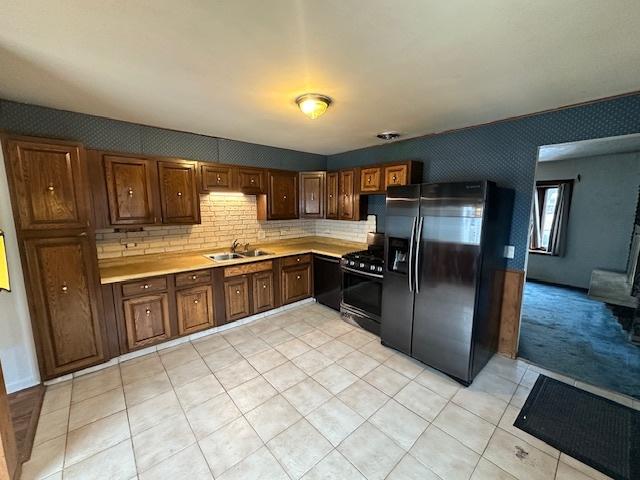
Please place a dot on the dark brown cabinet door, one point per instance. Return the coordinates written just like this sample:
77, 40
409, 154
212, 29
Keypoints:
216, 178
370, 179
147, 320
195, 309
312, 191
395, 175
263, 298
251, 180
283, 195
348, 197
63, 283
236, 298
332, 194
49, 185
178, 194
132, 190
296, 283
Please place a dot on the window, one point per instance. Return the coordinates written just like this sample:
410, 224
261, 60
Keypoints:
550, 216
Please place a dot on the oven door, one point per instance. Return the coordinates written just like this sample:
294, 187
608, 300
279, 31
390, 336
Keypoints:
362, 293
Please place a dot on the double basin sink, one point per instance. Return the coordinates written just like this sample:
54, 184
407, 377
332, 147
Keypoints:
225, 256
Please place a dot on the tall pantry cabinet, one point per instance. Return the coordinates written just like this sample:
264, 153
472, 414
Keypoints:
50, 197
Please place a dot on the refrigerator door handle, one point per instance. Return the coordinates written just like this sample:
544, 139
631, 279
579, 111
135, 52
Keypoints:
410, 259
416, 266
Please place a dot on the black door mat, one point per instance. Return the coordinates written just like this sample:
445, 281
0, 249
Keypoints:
599, 432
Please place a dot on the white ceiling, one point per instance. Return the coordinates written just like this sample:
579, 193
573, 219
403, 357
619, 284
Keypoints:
233, 68
590, 148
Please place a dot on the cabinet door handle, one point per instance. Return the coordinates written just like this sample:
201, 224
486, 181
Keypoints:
264, 285
64, 288
253, 180
179, 194
147, 312
130, 192
194, 277
145, 286
284, 196
313, 197
237, 292
394, 178
298, 277
331, 195
195, 301
369, 180
219, 179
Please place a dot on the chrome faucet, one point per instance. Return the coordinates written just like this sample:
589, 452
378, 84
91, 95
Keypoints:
235, 245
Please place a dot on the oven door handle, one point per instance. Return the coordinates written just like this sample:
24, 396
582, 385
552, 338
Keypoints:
410, 259
364, 274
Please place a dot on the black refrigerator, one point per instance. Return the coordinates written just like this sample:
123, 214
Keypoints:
444, 273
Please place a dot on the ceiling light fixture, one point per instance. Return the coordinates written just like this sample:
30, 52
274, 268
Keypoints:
313, 104
388, 135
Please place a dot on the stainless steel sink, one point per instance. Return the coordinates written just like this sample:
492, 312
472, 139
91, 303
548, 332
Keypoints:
254, 253
221, 257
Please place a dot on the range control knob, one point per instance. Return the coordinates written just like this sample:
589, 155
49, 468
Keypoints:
380, 268
361, 265
352, 263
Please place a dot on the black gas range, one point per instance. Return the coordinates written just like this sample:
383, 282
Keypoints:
362, 274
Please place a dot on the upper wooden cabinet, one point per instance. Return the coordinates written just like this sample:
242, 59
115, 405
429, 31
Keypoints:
312, 192
282, 195
132, 190
332, 195
49, 181
350, 206
395, 175
251, 180
216, 178
63, 285
178, 193
370, 179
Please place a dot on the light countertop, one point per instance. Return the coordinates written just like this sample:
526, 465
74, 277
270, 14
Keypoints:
141, 266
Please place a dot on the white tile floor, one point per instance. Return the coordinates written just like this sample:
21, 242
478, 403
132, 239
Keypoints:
299, 394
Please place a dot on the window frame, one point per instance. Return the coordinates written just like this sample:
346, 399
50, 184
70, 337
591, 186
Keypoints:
540, 188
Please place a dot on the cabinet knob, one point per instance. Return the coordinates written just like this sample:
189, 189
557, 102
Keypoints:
297, 259
194, 277
369, 180
298, 277
237, 292
284, 196
313, 197
148, 312
264, 285
253, 180
145, 286
179, 194
50, 187
130, 192
394, 178
219, 179
195, 301
64, 288
331, 195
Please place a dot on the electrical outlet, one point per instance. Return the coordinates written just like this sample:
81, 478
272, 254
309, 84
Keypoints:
509, 251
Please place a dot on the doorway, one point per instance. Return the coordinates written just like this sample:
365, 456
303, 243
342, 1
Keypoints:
579, 309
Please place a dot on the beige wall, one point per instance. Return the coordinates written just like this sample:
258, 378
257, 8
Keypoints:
225, 217
17, 351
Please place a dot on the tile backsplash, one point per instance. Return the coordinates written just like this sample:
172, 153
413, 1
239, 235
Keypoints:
225, 217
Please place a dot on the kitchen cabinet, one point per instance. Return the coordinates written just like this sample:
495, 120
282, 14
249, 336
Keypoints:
251, 180
147, 320
63, 284
49, 180
132, 190
263, 294
395, 175
282, 195
312, 192
370, 180
332, 195
350, 205
236, 298
296, 278
216, 178
195, 309
178, 192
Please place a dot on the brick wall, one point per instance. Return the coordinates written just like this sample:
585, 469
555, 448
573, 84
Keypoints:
225, 217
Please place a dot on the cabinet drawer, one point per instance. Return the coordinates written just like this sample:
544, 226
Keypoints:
296, 260
251, 180
193, 278
142, 287
248, 268
216, 177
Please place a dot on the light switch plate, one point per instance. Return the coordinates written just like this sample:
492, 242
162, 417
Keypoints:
509, 251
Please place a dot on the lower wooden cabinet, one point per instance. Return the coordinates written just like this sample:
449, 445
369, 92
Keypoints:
63, 284
195, 309
296, 283
147, 320
263, 294
236, 298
